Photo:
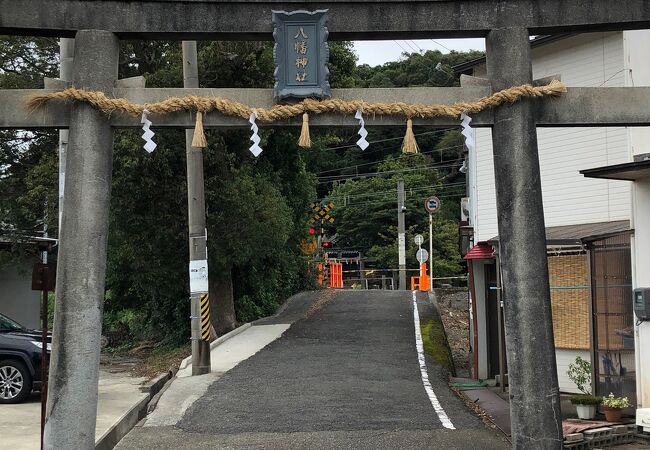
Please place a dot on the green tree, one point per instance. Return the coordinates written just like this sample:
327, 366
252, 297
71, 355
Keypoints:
257, 207
431, 68
366, 213
252, 203
28, 161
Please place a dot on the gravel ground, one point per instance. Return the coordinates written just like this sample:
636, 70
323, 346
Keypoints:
456, 324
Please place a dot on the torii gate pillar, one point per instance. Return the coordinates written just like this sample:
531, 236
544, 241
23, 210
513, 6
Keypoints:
534, 394
81, 266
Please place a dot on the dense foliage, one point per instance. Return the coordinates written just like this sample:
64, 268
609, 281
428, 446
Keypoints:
257, 207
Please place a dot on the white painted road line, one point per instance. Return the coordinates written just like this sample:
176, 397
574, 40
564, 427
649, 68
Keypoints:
442, 415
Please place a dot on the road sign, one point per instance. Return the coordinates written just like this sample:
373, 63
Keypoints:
432, 204
322, 213
419, 239
422, 256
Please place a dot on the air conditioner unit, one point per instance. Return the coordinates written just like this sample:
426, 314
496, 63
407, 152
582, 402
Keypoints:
643, 419
464, 209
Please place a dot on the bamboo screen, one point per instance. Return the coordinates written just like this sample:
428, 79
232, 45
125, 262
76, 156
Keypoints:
570, 300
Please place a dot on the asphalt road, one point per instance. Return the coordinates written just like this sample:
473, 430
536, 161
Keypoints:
344, 375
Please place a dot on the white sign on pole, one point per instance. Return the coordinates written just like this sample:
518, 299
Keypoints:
422, 256
419, 239
198, 276
401, 247
432, 204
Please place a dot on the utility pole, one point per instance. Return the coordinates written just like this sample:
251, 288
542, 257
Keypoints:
197, 227
430, 252
362, 271
401, 234
534, 393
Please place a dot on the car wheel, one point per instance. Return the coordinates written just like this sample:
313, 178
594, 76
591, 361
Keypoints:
15, 381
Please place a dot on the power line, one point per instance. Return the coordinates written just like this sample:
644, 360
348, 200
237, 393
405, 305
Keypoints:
441, 45
409, 44
392, 191
379, 161
443, 130
416, 44
400, 45
374, 174
392, 200
410, 190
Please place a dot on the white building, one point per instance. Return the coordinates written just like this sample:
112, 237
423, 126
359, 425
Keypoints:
594, 251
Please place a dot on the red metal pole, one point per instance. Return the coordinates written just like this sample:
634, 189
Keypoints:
44, 361
472, 291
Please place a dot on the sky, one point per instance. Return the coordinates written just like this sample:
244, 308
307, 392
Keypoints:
375, 53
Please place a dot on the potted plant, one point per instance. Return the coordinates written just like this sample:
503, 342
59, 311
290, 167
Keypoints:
586, 404
613, 407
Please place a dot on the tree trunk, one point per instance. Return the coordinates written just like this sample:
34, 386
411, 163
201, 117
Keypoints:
222, 303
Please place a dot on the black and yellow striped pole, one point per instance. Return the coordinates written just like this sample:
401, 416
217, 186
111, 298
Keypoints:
205, 317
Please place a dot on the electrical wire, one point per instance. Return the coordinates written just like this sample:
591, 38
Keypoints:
409, 44
400, 46
441, 45
338, 199
605, 82
381, 202
392, 191
379, 161
331, 178
416, 45
442, 130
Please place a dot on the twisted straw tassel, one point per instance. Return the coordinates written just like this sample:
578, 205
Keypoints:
198, 140
409, 145
305, 140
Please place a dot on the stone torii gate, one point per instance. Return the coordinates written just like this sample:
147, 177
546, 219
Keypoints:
98, 26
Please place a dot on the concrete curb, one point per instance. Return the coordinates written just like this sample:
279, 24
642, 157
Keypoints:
153, 386
153, 401
218, 341
114, 434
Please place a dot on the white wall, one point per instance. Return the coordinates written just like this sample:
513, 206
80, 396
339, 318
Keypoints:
569, 198
641, 278
637, 60
563, 358
483, 198
17, 300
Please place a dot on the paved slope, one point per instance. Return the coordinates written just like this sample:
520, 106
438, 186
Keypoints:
345, 375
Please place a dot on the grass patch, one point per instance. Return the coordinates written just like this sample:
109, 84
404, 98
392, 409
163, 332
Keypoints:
435, 344
165, 357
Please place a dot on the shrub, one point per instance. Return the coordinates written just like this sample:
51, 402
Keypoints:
580, 373
584, 399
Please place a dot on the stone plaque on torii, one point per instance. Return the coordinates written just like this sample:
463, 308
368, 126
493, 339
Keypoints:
506, 25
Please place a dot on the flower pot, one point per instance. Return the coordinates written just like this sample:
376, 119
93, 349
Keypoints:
612, 414
586, 411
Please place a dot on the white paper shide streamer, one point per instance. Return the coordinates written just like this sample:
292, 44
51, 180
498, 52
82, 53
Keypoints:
362, 143
149, 144
467, 132
255, 148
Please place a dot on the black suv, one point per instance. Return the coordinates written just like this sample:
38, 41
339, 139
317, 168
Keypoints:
20, 360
